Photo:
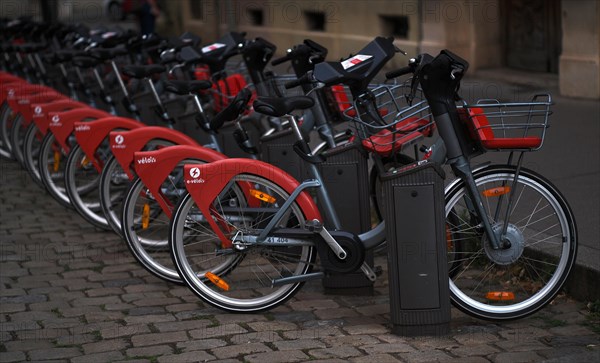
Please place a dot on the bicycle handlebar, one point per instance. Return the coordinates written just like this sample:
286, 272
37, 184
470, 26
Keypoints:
306, 78
399, 72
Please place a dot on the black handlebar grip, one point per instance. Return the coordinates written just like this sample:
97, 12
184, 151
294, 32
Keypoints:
399, 72
297, 82
280, 60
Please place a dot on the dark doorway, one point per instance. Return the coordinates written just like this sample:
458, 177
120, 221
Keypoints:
533, 35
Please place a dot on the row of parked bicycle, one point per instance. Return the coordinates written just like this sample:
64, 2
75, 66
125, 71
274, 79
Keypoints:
143, 135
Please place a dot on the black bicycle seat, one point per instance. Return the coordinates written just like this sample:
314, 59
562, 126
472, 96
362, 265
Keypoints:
108, 53
85, 62
233, 110
143, 71
276, 107
186, 87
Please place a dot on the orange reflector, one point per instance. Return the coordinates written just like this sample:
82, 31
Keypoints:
449, 243
85, 161
496, 192
262, 196
500, 295
56, 161
146, 216
221, 284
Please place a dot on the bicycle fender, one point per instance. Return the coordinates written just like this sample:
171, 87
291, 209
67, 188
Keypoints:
61, 123
21, 93
153, 167
89, 135
41, 110
205, 182
14, 90
124, 144
25, 104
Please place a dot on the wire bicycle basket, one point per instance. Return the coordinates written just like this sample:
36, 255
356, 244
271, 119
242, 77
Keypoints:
397, 123
508, 126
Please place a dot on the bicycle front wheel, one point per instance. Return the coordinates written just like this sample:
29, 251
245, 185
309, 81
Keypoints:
240, 278
519, 280
31, 152
51, 163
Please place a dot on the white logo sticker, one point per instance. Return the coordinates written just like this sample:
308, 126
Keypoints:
357, 59
195, 173
55, 118
37, 110
210, 48
147, 160
119, 139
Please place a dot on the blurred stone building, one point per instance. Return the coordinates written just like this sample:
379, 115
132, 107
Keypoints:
545, 36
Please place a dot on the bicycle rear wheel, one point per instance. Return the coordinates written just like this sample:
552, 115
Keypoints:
17, 135
243, 276
514, 282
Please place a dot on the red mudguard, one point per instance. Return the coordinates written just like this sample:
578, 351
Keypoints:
205, 182
90, 134
61, 123
14, 92
24, 104
41, 110
153, 167
124, 144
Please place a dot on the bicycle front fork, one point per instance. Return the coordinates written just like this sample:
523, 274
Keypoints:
462, 169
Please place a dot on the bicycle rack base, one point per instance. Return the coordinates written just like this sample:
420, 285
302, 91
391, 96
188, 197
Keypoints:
417, 247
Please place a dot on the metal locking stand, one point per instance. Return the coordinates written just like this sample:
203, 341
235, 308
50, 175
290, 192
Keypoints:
417, 261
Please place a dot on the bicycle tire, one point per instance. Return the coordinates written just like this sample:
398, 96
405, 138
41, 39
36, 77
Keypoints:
6, 118
114, 184
82, 182
51, 164
522, 279
149, 244
31, 150
17, 135
190, 242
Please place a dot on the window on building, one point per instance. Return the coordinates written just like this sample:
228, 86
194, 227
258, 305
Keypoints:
256, 17
394, 25
315, 20
196, 9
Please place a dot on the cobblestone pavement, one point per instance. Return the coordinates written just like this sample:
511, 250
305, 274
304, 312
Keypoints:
71, 293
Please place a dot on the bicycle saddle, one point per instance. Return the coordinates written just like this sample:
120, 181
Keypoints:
276, 107
106, 54
143, 71
186, 87
233, 110
86, 61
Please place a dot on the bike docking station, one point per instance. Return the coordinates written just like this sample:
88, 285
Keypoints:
417, 248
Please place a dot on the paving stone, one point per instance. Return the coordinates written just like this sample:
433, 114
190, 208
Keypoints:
513, 357
379, 358
335, 352
353, 340
175, 308
387, 348
366, 329
239, 350
473, 350
123, 331
203, 344
312, 333
272, 326
313, 304
149, 351
147, 310
239, 318
181, 325
276, 357
110, 356
149, 319
12, 357
426, 356
191, 357
155, 338
105, 346
217, 331
53, 353
256, 337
